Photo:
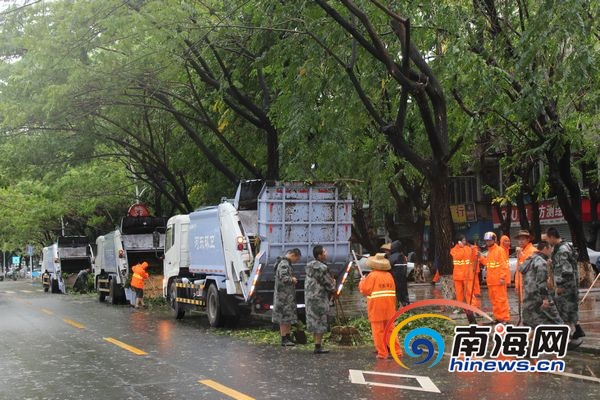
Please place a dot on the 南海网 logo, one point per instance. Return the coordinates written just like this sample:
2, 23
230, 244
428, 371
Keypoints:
510, 345
420, 339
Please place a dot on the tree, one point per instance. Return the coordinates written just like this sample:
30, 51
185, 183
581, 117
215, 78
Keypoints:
415, 79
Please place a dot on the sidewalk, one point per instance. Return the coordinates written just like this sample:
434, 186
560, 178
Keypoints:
589, 311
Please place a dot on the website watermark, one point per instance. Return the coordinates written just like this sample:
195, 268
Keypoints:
513, 348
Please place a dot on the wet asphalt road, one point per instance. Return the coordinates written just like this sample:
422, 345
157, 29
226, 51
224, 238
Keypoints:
62, 347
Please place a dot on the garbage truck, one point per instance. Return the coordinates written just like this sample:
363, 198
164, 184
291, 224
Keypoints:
140, 237
220, 259
70, 254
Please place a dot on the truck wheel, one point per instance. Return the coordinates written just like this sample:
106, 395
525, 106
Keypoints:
116, 296
213, 307
54, 286
177, 308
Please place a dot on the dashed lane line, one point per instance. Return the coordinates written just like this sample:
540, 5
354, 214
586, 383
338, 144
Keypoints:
225, 390
125, 346
45, 310
73, 323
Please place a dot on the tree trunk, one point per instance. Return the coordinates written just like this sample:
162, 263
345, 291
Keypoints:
442, 227
536, 227
568, 195
523, 221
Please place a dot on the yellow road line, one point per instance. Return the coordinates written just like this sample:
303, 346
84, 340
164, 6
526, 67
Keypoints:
44, 310
225, 390
73, 323
125, 346
26, 291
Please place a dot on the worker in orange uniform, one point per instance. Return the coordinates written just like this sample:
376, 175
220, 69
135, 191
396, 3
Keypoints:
524, 251
137, 282
379, 288
461, 260
505, 244
473, 279
498, 274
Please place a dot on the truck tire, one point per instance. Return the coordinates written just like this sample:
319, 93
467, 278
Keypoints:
178, 310
116, 296
213, 307
54, 286
101, 295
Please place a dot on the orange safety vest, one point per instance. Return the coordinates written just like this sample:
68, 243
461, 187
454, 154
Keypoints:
496, 263
461, 260
380, 290
524, 254
139, 276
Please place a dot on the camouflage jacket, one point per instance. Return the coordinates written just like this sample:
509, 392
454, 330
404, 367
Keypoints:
318, 283
284, 296
535, 278
564, 266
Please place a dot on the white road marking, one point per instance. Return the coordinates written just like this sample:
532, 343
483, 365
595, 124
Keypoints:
424, 382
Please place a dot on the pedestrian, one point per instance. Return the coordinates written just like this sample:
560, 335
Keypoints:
80, 284
461, 262
505, 244
524, 251
538, 302
137, 282
566, 284
317, 287
398, 261
379, 288
497, 277
284, 296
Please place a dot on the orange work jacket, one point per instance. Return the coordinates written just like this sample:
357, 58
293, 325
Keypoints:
461, 260
524, 254
474, 260
504, 243
139, 276
496, 263
380, 290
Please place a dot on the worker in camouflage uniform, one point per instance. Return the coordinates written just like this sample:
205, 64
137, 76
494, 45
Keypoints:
317, 287
566, 282
284, 296
538, 302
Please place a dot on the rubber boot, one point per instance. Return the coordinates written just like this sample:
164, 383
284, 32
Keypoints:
320, 350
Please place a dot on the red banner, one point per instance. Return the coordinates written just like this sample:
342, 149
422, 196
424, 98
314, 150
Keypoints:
550, 213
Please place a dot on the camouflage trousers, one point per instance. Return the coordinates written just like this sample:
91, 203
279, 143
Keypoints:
534, 314
568, 304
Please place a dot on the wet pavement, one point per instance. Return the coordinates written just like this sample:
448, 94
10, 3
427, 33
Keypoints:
63, 347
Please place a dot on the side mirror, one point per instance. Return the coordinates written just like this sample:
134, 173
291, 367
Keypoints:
155, 239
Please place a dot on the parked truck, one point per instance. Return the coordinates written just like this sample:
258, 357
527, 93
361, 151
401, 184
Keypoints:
140, 237
70, 254
221, 259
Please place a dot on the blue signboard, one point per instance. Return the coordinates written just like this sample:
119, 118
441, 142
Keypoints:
16, 260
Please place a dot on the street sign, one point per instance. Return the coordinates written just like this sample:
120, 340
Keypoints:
29, 250
16, 260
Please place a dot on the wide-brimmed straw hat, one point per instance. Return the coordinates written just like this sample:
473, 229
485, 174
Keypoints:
386, 246
379, 262
523, 232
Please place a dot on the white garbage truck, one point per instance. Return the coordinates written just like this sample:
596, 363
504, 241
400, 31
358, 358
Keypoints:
140, 237
221, 259
70, 254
